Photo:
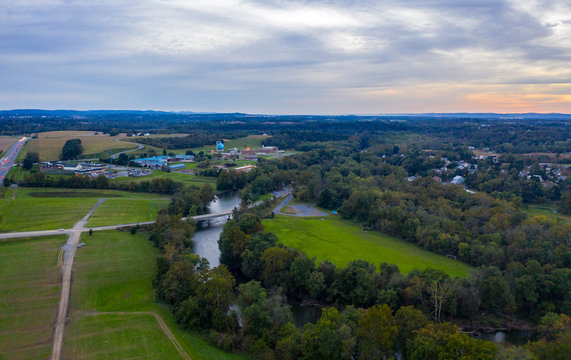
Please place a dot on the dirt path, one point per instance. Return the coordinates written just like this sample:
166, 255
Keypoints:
157, 317
70, 247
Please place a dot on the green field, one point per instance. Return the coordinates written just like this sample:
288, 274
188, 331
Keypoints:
113, 273
126, 211
29, 296
25, 209
22, 212
187, 179
341, 242
547, 211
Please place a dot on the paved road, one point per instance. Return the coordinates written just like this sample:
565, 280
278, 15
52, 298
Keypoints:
300, 210
69, 248
140, 146
8, 160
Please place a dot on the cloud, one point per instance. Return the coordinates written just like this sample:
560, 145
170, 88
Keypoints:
283, 56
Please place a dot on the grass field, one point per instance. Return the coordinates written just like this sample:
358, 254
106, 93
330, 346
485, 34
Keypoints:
29, 296
25, 209
49, 144
341, 242
125, 211
113, 273
7, 141
187, 179
21, 212
547, 211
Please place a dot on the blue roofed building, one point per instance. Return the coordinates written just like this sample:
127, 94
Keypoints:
152, 162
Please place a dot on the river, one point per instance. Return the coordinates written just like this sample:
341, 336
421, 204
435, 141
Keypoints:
206, 238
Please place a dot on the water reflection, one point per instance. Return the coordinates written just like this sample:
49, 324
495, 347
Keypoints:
206, 239
513, 337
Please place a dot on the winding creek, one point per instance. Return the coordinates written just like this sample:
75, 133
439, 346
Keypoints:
206, 245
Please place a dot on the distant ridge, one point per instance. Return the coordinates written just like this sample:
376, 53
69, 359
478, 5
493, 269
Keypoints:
461, 115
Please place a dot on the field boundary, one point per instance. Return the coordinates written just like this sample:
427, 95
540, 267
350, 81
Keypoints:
157, 317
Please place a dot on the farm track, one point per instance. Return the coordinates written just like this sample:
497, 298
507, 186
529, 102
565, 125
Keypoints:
157, 317
70, 249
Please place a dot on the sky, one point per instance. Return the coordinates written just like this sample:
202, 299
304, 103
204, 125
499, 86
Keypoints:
287, 57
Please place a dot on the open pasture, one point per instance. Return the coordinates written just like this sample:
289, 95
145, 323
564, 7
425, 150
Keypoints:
113, 274
340, 241
7, 141
49, 144
29, 296
25, 209
126, 211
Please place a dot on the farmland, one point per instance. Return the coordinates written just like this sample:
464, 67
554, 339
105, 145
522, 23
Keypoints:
29, 295
49, 144
113, 274
6, 142
125, 211
25, 209
22, 212
341, 242
186, 179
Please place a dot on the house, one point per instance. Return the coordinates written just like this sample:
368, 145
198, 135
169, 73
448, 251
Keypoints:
458, 180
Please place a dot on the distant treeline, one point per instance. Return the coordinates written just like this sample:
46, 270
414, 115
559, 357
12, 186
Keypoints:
536, 135
196, 139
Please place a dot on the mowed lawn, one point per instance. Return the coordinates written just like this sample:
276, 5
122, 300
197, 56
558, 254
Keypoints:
187, 179
126, 211
113, 273
25, 209
29, 296
21, 212
341, 242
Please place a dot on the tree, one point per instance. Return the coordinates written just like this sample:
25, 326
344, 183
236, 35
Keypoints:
72, 149
440, 291
377, 332
565, 203
30, 159
408, 320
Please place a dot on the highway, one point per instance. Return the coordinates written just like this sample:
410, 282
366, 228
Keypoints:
8, 160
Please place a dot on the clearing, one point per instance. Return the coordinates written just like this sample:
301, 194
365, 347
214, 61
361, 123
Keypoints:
112, 302
547, 211
341, 242
29, 296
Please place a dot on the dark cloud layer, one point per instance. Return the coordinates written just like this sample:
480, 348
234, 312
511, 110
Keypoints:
277, 56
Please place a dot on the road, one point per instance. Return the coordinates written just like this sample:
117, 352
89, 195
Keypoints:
140, 146
8, 160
